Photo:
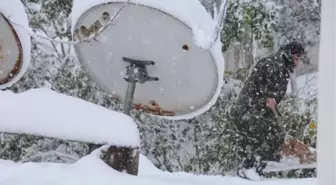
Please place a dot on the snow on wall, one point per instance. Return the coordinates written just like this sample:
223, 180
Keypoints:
47, 113
307, 86
15, 12
193, 14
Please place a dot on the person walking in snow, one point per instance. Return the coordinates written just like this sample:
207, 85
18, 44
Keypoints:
258, 135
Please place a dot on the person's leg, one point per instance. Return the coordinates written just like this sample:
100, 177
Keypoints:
273, 139
258, 141
248, 141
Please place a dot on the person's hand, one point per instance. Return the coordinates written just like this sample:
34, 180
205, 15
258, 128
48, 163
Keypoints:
271, 103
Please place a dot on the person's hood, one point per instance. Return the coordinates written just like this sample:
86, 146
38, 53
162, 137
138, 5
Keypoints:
285, 54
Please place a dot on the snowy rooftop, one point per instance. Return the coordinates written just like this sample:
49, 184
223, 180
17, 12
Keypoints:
47, 113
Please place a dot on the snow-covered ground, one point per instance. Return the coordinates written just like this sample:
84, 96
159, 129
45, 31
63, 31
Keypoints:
91, 170
34, 112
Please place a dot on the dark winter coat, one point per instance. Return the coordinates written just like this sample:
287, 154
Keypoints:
250, 116
268, 79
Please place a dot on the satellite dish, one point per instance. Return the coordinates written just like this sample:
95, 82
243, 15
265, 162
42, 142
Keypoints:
185, 79
14, 43
10, 52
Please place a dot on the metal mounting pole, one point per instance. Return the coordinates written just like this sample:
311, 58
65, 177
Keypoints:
129, 97
136, 73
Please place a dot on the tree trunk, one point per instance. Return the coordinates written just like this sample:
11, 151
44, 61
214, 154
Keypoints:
248, 47
236, 57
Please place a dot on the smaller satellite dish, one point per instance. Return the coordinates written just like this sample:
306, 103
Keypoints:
15, 43
184, 80
11, 53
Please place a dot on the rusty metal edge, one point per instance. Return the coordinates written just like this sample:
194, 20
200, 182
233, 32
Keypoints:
19, 62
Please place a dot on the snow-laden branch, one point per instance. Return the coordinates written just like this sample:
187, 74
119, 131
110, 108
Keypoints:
220, 20
209, 42
48, 155
87, 39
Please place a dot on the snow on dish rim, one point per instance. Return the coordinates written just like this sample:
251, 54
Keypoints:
43, 112
14, 11
217, 54
190, 12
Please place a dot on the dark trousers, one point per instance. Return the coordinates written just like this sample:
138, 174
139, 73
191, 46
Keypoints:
257, 136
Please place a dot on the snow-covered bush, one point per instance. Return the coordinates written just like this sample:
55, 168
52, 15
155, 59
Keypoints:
27, 148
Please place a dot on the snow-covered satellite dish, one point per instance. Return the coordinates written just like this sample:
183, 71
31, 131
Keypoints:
15, 44
162, 31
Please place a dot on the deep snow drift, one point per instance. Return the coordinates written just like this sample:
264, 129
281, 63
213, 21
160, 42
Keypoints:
47, 113
44, 112
91, 170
